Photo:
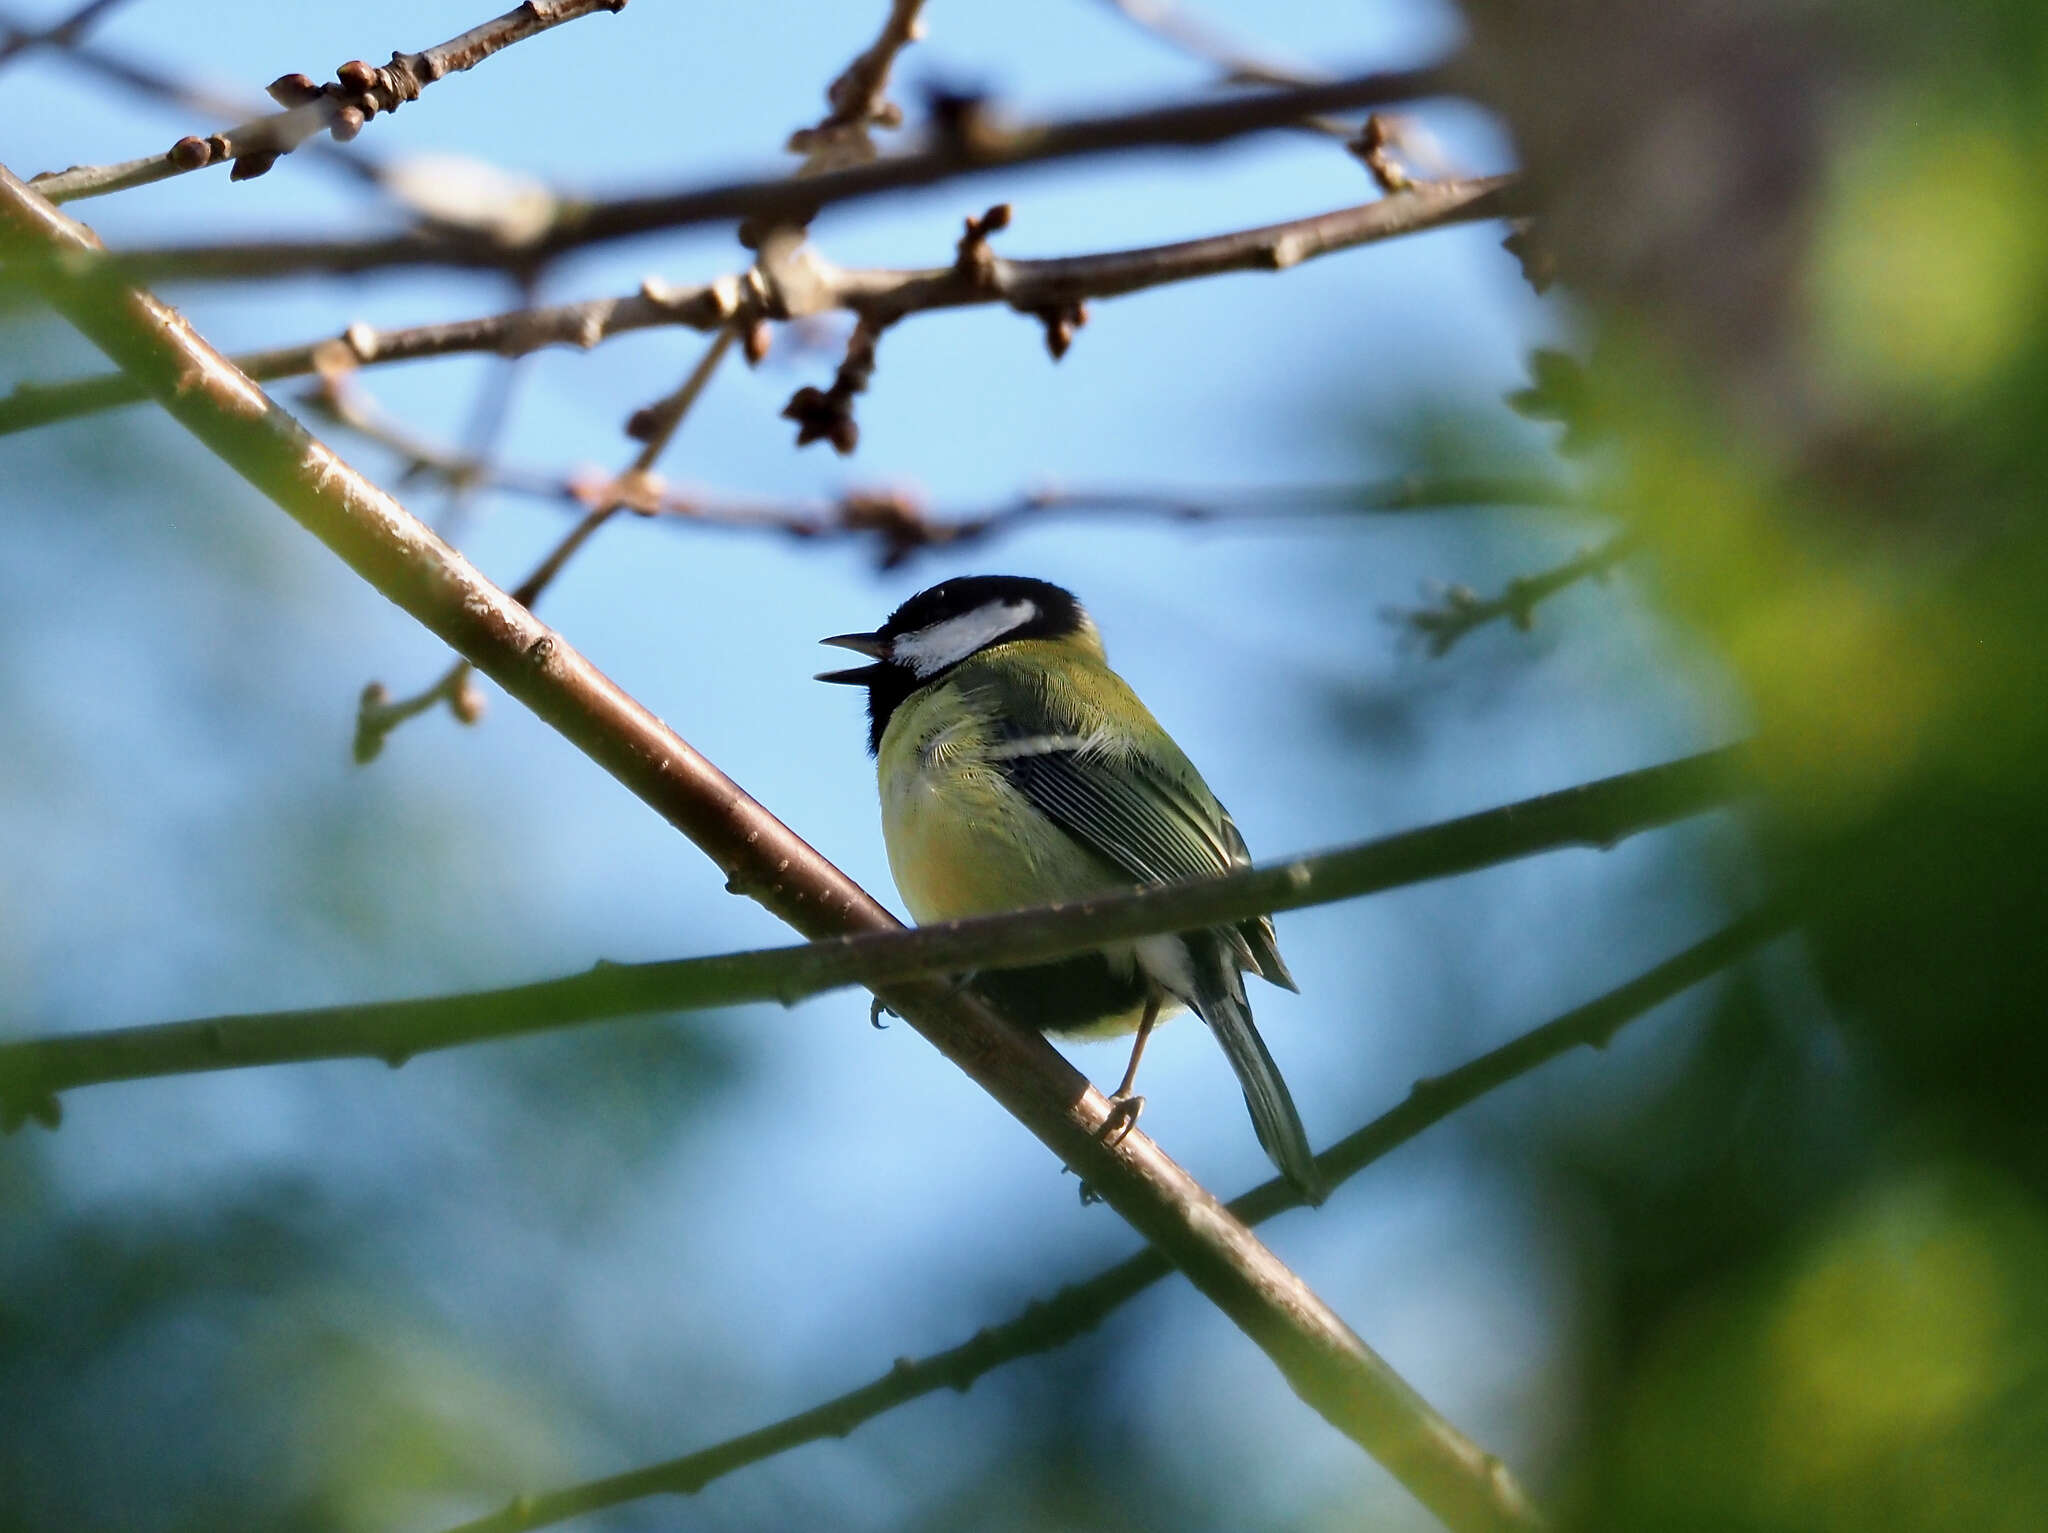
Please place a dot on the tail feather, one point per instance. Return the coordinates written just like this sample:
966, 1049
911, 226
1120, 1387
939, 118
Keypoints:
1220, 1001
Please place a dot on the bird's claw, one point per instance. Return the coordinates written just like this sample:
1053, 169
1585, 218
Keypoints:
1123, 1117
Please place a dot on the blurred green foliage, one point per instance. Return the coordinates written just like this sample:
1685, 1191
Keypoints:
1841, 482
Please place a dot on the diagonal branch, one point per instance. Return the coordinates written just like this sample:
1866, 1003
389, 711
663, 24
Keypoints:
1323, 1360
1598, 814
357, 93
1080, 1307
1024, 285
969, 141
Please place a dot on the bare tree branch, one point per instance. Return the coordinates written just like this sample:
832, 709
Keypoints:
1322, 1358
1462, 610
897, 519
969, 141
357, 93
1599, 814
1025, 285
170, 86
859, 97
857, 100
1080, 1307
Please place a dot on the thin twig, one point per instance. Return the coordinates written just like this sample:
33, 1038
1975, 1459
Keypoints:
859, 99
1080, 1307
341, 107
1025, 285
968, 141
377, 715
1178, 28
1176, 25
898, 520
1461, 609
1323, 1360
1597, 814
170, 85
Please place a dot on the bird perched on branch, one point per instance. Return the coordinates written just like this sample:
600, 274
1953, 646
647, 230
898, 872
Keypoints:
1017, 769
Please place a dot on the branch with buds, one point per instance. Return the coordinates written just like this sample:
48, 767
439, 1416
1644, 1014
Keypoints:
357, 93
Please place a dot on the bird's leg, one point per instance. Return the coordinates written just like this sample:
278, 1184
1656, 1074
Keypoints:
1125, 1105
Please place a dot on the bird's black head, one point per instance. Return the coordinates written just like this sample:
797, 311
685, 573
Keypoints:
937, 629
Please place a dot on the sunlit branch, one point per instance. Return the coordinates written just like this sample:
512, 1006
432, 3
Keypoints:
968, 139
1080, 1307
1326, 1363
341, 107
1592, 814
1025, 285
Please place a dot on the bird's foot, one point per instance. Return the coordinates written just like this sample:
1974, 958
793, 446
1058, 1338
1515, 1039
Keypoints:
1123, 1117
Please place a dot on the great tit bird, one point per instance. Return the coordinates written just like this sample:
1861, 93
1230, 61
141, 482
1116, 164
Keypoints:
1017, 769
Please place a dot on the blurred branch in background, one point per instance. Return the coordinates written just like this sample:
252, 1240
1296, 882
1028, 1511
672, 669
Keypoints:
63, 34
1179, 27
898, 519
1598, 814
812, 285
1461, 609
341, 107
1078, 1308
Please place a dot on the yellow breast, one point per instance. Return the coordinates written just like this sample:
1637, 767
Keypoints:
963, 842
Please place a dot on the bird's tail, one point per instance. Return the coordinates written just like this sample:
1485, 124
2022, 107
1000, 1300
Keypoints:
1220, 1001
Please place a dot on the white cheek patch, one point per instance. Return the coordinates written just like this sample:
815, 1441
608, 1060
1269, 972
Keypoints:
931, 650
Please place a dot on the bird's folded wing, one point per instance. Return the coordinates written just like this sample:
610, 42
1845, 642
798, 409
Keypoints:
1136, 818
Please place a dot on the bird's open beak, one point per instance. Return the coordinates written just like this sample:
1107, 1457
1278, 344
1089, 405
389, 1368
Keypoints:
871, 645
